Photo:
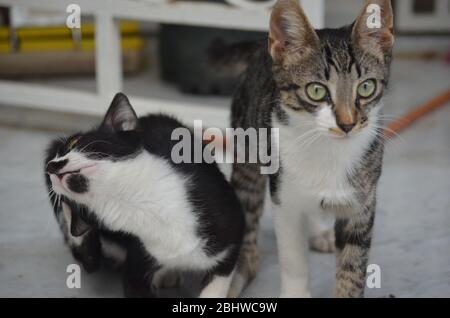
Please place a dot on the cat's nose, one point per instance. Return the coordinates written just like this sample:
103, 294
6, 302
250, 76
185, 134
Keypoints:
54, 166
346, 127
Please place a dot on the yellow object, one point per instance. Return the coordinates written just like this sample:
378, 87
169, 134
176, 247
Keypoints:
133, 43
5, 47
59, 39
87, 30
4, 33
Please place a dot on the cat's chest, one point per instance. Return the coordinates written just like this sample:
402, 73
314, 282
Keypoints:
315, 168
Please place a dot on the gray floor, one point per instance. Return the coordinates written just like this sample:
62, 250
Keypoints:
412, 230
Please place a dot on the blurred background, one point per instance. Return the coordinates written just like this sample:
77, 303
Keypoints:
55, 80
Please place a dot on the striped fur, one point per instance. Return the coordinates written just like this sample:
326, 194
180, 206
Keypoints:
272, 93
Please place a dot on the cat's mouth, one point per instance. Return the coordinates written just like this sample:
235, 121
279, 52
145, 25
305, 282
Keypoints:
339, 134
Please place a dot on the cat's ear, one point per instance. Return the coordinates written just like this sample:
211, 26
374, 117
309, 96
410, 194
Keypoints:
78, 226
290, 33
373, 30
120, 115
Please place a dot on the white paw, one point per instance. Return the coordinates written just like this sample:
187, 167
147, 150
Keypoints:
237, 285
324, 242
296, 294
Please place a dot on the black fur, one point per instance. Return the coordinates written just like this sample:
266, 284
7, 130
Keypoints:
78, 183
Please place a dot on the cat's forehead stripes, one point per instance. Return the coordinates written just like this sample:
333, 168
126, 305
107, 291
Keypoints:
290, 87
340, 57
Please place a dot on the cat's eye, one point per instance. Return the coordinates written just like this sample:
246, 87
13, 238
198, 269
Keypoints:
72, 143
316, 92
367, 88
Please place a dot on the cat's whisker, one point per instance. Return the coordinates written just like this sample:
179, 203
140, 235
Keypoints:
94, 142
103, 155
304, 123
52, 195
307, 140
392, 132
50, 191
389, 116
388, 140
62, 137
314, 139
55, 203
300, 138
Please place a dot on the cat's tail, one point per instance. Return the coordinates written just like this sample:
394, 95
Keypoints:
231, 58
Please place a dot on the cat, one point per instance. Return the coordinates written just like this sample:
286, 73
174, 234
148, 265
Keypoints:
174, 217
94, 247
323, 90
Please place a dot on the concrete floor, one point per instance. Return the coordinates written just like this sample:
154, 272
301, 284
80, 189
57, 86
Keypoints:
412, 230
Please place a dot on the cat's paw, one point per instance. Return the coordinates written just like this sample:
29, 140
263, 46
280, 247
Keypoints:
237, 285
166, 279
323, 242
297, 294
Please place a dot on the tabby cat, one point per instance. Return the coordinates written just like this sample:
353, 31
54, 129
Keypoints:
323, 90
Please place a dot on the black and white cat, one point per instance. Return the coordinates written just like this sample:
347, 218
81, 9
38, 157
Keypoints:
121, 180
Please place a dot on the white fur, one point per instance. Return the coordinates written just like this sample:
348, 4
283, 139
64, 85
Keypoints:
315, 165
146, 197
218, 287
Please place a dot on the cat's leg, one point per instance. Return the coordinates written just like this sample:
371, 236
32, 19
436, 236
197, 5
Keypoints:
250, 187
218, 287
323, 242
292, 241
85, 248
88, 251
321, 233
353, 240
217, 284
138, 273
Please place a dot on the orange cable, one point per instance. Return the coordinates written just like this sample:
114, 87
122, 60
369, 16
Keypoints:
410, 118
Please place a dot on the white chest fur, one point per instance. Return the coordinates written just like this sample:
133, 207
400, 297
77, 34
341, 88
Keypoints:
146, 197
316, 166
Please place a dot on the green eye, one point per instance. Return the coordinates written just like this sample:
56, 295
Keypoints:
317, 92
367, 88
